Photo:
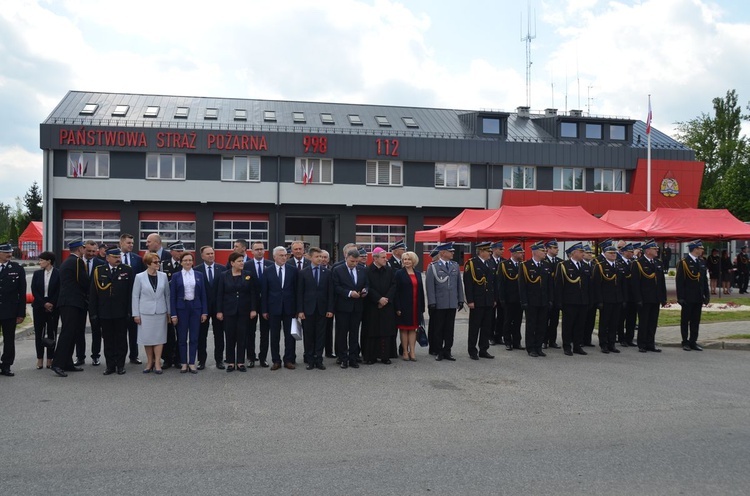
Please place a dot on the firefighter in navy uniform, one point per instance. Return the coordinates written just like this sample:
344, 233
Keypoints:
397, 249
509, 298
551, 261
608, 291
110, 304
572, 293
629, 313
479, 283
498, 318
649, 292
588, 266
535, 295
691, 282
12, 305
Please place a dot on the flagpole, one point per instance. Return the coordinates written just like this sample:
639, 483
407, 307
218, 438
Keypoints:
648, 158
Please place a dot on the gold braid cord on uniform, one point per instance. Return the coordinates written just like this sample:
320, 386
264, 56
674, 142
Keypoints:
101, 287
505, 273
528, 278
640, 269
577, 280
480, 282
689, 273
604, 276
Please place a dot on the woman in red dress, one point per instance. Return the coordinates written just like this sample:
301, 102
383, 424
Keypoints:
409, 303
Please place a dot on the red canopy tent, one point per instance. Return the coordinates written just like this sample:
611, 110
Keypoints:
30, 241
540, 221
624, 218
468, 216
692, 223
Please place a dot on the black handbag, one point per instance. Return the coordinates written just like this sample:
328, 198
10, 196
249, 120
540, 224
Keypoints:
422, 336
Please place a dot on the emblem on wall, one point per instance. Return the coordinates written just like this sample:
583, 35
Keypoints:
669, 186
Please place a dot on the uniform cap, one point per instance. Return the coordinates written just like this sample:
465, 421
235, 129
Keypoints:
575, 247
649, 244
695, 244
176, 246
75, 243
114, 251
610, 248
539, 245
497, 244
445, 246
484, 245
551, 243
517, 248
397, 245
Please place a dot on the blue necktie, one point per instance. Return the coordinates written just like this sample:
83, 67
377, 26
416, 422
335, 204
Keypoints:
315, 274
210, 274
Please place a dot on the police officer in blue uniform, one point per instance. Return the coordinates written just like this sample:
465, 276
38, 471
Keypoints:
12, 305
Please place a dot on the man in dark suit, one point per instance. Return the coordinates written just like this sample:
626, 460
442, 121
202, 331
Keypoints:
314, 307
572, 289
691, 282
298, 258
45, 288
12, 305
135, 262
551, 261
278, 287
649, 292
479, 287
211, 272
73, 302
153, 244
171, 354
325, 261
350, 286
535, 295
90, 260
509, 298
110, 304
257, 266
397, 249
240, 246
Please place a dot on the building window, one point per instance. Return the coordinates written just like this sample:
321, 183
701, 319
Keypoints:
451, 175
371, 236
355, 120
211, 113
617, 132
490, 125
568, 130
240, 114
269, 115
88, 164
519, 177
326, 118
151, 111
314, 170
593, 131
226, 231
410, 122
170, 231
299, 117
609, 180
120, 111
383, 173
382, 121
240, 168
165, 166
89, 109
568, 179
181, 112
107, 231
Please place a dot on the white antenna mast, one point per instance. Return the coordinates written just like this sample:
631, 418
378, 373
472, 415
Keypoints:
527, 39
589, 99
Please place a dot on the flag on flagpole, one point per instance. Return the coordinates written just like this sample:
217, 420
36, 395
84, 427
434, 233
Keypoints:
307, 172
78, 169
648, 118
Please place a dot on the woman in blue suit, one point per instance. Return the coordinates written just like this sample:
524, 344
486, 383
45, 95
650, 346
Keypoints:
235, 306
45, 286
409, 303
188, 308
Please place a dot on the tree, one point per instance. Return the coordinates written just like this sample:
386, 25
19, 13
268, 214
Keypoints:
33, 202
718, 142
5, 220
13, 231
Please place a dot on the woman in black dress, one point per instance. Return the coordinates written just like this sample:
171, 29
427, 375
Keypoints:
235, 306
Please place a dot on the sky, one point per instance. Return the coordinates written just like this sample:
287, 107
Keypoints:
603, 57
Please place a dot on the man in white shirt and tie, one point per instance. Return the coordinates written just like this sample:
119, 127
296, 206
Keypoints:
91, 260
212, 271
135, 262
257, 266
298, 258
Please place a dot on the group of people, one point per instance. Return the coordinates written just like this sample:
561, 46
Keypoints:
166, 303
723, 273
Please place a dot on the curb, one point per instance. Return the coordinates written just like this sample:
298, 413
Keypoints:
715, 345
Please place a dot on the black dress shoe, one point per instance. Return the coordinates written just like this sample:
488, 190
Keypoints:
484, 354
7, 373
220, 365
568, 352
310, 366
579, 351
344, 365
109, 372
605, 351
201, 365
642, 350
696, 347
450, 358
136, 361
369, 362
353, 364
554, 345
79, 362
320, 366
654, 349
240, 368
624, 344
251, 364
95, 362
120, 370
195, 371
509, 347
264, 364
439, 358
589, 345
541, 353
534, 354
686, 347
474, 357
74, 369
387, 361
630, 343
330, 355
519, 347
59, 371
614, 350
